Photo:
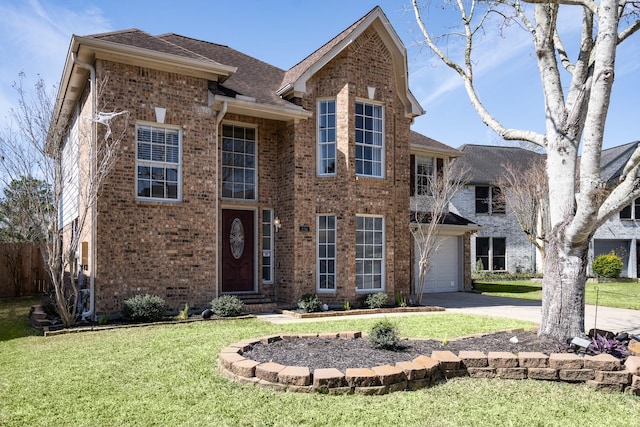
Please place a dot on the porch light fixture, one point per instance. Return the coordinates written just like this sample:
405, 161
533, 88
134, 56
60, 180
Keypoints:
277, 224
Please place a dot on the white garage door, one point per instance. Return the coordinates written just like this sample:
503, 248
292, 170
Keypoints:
444, 274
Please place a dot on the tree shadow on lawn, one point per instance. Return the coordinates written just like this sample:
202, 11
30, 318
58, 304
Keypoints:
506, 288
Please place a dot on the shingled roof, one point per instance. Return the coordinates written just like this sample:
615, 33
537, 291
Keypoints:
486, 162
613, 160
420, 141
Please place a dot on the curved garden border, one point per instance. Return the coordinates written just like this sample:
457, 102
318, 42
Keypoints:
601, 372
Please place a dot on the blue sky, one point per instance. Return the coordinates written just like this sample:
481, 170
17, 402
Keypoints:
35, 38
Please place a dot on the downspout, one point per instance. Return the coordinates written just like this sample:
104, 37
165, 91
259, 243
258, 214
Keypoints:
92, 142
219, 118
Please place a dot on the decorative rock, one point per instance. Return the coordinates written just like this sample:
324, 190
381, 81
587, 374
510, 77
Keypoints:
389, 374
327, 378
447, 359
412, 370
511, 373
269, 371
632, 365
613, 377
361, 377
482, 372
565, 361
350, 334
245, 368
431, 365
295, 375
634, 347
502, 359
602, 362
549, 374
473, 359
576, 375
206, 314
533, 360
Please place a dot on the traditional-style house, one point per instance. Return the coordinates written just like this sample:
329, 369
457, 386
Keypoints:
501, 245
235, 176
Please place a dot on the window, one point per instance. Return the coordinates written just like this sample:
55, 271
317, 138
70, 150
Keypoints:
369, 253
369, 140
489, 200
267, 246
631, 211
491, 252
327, 137
238, 162
326, 253
424, 175
158, 162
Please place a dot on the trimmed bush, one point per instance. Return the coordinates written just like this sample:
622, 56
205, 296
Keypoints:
608, 265
227, 306
377, 300
143, 308
384, 335
309, 303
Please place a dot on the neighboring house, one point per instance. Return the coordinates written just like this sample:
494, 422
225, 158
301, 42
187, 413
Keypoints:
450, 265
500, 245
621, 233
238, 177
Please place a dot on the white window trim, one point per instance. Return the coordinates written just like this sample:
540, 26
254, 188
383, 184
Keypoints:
319, 144
335, 258
383, 259
164, 164
271, 243
255, 184
383, 168
420, 160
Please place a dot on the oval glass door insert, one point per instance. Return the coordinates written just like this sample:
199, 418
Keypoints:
236, 238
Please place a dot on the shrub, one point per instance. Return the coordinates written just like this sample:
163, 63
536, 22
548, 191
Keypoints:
384, 335
143, 308
376, 300
227, 306
309, 303
608, 265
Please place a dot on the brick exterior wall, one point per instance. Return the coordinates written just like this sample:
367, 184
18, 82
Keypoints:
169, 248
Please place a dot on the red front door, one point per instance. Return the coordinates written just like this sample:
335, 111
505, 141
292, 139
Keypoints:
237, 251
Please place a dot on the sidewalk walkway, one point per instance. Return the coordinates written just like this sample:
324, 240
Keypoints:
607, 318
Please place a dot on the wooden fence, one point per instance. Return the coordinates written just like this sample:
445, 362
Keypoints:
22, 270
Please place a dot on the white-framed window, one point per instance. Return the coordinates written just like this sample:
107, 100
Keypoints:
369, 140
489, 200
369, 253
326, 253
238, 162
327, 137
267, 246
425, 167
631, 211
158, 162
492, 253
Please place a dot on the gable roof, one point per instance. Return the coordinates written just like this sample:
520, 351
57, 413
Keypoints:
485, 162
613, 160
295, 79
420, 142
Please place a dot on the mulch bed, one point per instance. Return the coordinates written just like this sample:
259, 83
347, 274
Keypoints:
340, 353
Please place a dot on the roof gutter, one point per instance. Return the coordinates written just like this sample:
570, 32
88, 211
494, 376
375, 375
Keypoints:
92, 159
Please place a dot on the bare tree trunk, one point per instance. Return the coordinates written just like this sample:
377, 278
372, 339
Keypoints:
563, 289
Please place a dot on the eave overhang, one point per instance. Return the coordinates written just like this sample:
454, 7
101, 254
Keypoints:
248, 107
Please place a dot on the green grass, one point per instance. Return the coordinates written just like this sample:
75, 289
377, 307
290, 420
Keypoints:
167, 375
614, 294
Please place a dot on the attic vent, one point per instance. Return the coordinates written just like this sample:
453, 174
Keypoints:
245, 98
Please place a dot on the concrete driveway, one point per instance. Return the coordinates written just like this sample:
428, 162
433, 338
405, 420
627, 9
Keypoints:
607, 318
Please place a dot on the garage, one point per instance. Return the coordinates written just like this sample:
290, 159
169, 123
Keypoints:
445, 272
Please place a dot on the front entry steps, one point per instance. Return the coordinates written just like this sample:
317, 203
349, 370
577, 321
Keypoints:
257, 303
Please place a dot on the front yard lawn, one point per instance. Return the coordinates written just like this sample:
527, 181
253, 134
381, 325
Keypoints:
167, 375
614, 294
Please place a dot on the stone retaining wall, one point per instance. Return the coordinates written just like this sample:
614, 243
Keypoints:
601, 372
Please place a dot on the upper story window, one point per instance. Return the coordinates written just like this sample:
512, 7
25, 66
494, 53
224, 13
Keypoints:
158, 162
238, 162
631, 211
327, 137
489, 200
369, 140
425, 173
